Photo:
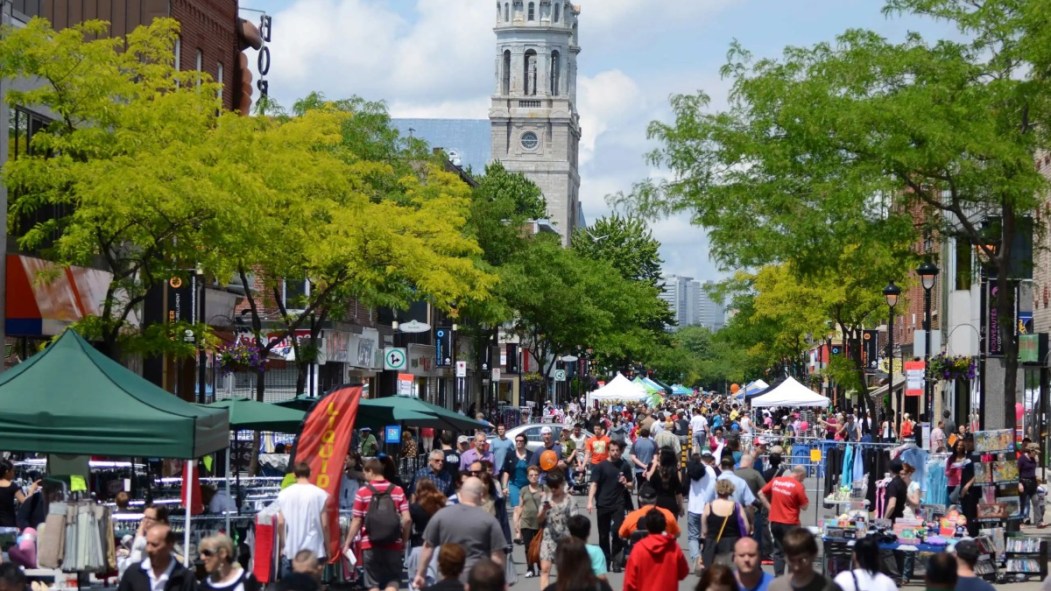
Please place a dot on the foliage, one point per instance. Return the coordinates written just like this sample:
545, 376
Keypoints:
624, 242
129, 163
948, 367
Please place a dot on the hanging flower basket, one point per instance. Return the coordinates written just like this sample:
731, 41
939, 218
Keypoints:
241, 357
945, 367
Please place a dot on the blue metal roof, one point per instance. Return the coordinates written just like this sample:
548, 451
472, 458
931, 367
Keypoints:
467, 142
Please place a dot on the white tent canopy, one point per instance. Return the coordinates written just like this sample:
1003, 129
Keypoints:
619, 388
790, 393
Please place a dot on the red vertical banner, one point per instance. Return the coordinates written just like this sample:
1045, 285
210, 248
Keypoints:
324, 443
197, 503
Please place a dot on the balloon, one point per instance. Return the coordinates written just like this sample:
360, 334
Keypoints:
548, 460
734, 388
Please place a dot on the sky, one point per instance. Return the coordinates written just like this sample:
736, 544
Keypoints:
436, 58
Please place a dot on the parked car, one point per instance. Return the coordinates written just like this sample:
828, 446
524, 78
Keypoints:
532, 432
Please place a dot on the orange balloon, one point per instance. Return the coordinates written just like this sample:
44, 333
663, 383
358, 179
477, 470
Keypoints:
734, 388
548, 460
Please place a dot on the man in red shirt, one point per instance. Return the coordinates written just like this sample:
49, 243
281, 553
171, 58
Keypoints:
383, 562
656, 562
787, 498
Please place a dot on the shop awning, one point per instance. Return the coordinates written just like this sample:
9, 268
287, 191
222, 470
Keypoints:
44, 298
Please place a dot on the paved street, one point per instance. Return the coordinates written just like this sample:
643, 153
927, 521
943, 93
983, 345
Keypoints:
809, 518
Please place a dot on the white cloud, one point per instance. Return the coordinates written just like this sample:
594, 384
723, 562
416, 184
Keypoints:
606, 99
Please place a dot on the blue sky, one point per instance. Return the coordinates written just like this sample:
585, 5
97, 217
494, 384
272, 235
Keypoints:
435, 58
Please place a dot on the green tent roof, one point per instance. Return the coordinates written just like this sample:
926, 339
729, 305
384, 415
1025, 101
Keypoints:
72, 399
260, 416
390, 410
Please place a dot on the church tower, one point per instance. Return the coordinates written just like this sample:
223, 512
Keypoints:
535, 126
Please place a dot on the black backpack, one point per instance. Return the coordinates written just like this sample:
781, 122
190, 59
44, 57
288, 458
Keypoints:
382, 521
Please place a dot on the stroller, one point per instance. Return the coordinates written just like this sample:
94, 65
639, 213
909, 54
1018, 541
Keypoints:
580, 478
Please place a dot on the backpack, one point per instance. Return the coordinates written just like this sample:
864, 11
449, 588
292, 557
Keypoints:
382, 521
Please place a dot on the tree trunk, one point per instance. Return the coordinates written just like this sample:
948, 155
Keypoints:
1005, 311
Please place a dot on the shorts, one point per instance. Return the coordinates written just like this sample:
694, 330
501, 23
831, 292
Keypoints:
383, 567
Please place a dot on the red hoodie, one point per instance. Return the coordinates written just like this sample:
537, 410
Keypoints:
656, 562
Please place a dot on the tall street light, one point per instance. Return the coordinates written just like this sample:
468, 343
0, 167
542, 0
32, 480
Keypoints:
890, 294
928, 273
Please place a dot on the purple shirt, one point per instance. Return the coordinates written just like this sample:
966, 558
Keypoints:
471, 456
1026, 467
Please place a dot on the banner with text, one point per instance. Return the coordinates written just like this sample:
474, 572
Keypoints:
323, 444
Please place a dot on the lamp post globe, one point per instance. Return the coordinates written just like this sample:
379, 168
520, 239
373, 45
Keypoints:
928, 272
891, 293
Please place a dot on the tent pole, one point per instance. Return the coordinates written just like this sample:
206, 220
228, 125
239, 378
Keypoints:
189, 505
227, 475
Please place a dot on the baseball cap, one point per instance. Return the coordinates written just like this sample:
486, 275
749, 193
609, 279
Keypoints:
545, 430
366, 428
707, 454
463, 439
967, 550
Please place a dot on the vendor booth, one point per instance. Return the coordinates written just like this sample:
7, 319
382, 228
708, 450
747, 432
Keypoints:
790, 393
71, 399
620, 389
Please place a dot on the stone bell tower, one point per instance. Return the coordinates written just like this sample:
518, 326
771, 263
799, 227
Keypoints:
535, 126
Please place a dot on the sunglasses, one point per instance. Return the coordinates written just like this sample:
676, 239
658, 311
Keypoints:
207, 553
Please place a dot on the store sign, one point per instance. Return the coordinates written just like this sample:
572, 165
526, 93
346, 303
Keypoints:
443, 346
365, 350
263, 63
406, 381
914, 378
1032, 348
421, 359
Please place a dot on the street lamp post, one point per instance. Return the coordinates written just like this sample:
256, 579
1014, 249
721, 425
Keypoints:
890, 294
928, 273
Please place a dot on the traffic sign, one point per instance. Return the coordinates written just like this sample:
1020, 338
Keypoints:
461, 369
394, 358
560, 375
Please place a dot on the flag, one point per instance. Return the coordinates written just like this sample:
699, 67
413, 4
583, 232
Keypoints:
197, 504
323, 444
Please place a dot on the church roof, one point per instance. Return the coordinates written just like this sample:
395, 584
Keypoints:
467, 142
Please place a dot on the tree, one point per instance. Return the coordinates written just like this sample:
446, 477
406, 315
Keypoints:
861, 137
130, 172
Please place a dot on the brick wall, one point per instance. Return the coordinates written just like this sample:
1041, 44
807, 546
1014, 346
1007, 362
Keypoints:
1042, 256
209, 26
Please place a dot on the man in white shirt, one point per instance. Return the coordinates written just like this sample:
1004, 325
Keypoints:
702, 487
699, 426
302, 518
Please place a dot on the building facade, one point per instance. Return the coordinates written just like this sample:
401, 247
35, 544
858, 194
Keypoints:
534, 122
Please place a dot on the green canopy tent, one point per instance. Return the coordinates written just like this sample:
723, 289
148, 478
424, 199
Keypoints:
302, 403
391, 410
260, 416
72, 399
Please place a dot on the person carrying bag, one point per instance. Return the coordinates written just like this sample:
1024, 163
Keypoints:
722, 524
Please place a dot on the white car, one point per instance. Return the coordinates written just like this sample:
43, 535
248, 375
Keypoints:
532, 432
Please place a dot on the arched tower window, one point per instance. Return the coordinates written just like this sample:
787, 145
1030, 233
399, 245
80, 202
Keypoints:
530, 73
507, 12
505, 80
532, 11
556, 72
557, 6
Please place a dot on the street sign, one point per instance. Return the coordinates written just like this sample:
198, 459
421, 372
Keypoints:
560, 375
394, 358
392, 434
496, 374
461, 369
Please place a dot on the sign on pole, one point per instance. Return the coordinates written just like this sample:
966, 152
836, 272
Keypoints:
461, 369
560, 375
394, 358
914, 378
496, 374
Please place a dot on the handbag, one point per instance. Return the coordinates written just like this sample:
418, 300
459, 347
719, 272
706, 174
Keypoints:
533, 552
710, 549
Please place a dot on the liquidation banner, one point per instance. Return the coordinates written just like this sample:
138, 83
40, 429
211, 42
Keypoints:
324, 444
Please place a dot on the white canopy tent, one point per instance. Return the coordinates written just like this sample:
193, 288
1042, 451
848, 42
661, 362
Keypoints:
619, 388
790, 393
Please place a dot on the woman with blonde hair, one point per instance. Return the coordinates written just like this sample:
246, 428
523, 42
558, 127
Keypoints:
224, 573
722, 524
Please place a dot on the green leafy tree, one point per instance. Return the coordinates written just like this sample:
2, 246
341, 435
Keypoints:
132, 164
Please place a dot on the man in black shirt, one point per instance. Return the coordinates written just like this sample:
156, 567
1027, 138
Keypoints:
897, 494
610, 481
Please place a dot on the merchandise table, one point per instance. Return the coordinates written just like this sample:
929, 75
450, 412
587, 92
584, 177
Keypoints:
837, 552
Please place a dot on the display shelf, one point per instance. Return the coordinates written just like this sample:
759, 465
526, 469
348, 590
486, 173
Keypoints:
1025, 556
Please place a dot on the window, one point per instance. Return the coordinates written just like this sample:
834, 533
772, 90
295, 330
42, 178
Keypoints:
556, 72
507, 12
295, 292
23, 125
532, 11
557, 6
199, 65
529, 69
505, 82
530, 141
219, 78
178, 53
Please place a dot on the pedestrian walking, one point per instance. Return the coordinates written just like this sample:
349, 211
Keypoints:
748, 566
464, 523
701, 488
501, 447
478, 453
433, 471
865, 573
555, 511
220, 562
610, 485
303, 517
787, 498
381, 514
159, 571
663, 476
723, 523
451, 559
530, 498
643, 450
656, 562
574, 569
800, 550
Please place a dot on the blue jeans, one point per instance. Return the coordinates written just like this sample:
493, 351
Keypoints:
693, 531
762, 533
